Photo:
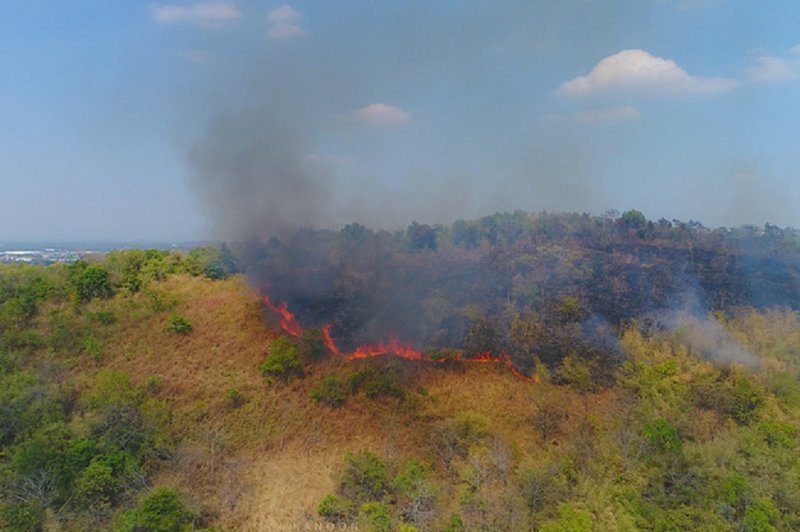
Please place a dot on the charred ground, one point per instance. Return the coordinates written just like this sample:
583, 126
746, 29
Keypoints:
532, 285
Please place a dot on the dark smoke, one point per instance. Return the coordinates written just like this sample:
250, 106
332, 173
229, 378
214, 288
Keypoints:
255, 175
275, 154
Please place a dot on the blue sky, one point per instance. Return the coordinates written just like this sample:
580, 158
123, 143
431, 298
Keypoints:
234, 119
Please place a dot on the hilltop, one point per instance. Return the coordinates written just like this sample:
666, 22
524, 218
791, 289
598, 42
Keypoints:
155, 389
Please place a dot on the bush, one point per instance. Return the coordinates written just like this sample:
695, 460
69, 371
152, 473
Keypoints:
542, 487
331, 392
90, 281
451, 438
282, 362
376, 517
416, 493
456, 524
366, 477
234, 398
103, 317
179, 325
21, 516
548, 419
377, 381
162, 510
312, 346
664, 436
91, 346
335, 509
212, 262
744, 400
570, 519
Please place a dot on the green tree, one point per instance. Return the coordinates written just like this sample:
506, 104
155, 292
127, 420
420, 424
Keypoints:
160, 511
91, 281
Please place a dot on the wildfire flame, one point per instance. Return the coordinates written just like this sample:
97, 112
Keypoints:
289, 323
287, 319
393, 346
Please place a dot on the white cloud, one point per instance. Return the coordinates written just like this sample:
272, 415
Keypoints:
637, 70
772, 69
201, 14
380, 114
602, 115
284, 22
775, 68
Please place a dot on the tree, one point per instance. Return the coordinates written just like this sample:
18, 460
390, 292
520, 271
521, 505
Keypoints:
91, 281
421, 236
160, 511
633, 219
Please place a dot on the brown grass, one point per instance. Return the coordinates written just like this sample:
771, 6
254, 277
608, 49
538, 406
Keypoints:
267, 464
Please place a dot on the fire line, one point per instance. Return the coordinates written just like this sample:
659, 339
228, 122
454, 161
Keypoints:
290, 325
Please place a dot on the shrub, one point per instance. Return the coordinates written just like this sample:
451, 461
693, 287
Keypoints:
416, 493
366, 477
179, 325
311, 347
103, 317
234, 398
451, 438
91, 281
97, 484
377, 381
212, 262
159, 300
548, 419
21, 516
91, 346
455, 524
664, 436
335, 509
331, 392
282, 362
376, 517
744, 400
542, 487
570, 519
161, 510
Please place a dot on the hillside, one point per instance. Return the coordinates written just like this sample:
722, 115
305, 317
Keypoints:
155, 390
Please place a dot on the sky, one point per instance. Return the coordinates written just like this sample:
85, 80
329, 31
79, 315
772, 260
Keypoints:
176, 121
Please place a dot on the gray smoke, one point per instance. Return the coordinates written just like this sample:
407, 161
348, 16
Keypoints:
275, 154
284, 147
704, 334
255, 175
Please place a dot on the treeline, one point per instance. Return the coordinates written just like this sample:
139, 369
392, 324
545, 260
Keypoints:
73, 451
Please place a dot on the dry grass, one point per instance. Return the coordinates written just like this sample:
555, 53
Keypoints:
266, 464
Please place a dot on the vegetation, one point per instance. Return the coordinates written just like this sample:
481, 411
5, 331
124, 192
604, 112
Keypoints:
81, 439
112, 420
179, 325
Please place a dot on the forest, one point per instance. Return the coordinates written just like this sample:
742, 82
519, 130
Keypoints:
570, 372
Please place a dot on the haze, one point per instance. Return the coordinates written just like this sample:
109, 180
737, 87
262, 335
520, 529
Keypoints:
184, 121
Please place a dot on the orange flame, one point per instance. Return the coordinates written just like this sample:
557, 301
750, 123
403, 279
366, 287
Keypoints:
289, 324
326, 334
393, 347
486, 357
287, 319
